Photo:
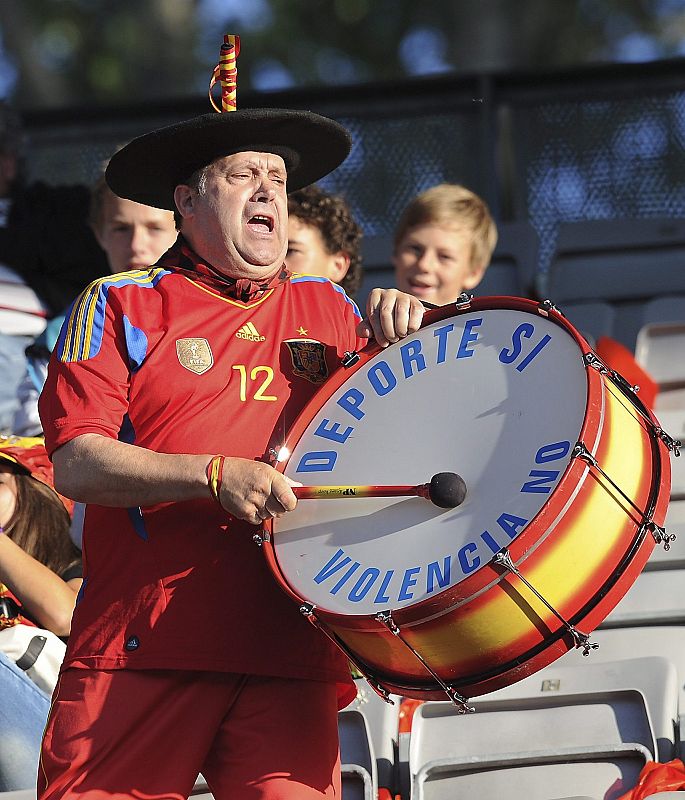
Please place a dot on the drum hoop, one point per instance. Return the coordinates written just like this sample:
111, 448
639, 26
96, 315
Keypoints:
488, 576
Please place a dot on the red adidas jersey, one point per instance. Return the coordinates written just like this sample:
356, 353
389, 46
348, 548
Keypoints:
157, 359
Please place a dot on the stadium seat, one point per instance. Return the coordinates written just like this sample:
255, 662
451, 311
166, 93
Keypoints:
654, 678
620, 644
665, 796
358, 763
656, 598
618, 259
582, 744
625, 262
670, 400
660, 345
592, 319
382, 722
608, 771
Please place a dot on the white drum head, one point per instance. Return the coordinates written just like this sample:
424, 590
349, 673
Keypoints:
497, 396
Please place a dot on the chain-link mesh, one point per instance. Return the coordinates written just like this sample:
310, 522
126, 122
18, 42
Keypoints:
541, 153
610, 159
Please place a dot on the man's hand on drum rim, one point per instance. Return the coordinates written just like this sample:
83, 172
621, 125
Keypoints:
390, 316
254, 491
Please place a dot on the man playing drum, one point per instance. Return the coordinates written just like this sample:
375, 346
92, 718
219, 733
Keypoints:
169, 391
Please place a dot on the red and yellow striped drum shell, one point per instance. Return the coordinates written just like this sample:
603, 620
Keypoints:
501, 374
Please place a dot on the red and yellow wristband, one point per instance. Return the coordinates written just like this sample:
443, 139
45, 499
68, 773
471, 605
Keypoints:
215, 473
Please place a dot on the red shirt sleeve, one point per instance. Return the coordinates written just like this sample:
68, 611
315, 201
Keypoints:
88, 376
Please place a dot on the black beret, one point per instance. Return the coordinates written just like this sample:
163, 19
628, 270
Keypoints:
149, 168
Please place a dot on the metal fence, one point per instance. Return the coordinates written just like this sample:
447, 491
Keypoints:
594, 143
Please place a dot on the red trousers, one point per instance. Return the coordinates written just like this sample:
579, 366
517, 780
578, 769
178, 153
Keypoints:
146, 734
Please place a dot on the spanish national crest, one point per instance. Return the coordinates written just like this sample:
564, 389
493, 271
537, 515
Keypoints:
194, 354
309, 359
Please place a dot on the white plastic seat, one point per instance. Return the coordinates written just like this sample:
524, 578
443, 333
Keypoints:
382, 721
654, 677
532, 722
665, 796
526, 736
358, 763
657, 597
620, 644
659, 350
595, 772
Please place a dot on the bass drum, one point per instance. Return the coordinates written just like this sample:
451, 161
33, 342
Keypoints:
567, 478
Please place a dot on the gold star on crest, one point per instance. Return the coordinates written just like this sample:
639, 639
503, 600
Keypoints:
301, 331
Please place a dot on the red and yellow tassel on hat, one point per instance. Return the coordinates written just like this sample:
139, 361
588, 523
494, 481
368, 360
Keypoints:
226, 74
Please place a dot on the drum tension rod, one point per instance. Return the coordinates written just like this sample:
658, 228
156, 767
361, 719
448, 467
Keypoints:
581, 640
461, 702
464, 300
659, 533
594, 361
307, 610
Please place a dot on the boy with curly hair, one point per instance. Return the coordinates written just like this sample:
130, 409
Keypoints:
324, 238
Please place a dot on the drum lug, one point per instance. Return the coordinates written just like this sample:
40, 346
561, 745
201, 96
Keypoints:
350, 358
672, 444
464, 300
261, 537
594, 361
582, 640
459, 701
385, 618
503, 559
660, 535
545, 306
307, 610
581, 451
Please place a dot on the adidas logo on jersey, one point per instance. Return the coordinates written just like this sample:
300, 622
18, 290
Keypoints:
249, 332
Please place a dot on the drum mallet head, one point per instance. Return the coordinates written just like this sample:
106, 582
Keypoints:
446, 490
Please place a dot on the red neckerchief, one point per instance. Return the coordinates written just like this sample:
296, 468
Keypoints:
180, 257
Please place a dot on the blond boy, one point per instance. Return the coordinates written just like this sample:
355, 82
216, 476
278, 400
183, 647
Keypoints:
443, 244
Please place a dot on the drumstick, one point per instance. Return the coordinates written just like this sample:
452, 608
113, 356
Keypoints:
446, 490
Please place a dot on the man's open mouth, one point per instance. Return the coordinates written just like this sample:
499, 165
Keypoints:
261, 221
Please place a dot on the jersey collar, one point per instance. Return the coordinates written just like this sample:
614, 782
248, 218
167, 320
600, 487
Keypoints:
182, 258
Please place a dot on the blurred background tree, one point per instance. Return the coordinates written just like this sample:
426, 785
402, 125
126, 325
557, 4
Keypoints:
57, 53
